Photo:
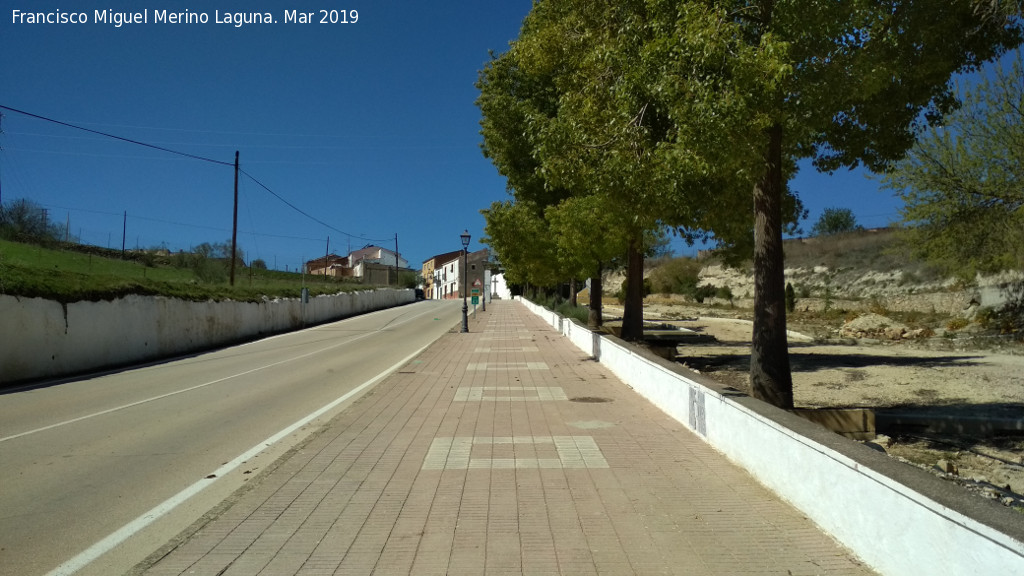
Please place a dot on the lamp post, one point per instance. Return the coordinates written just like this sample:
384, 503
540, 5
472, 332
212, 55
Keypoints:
465, 271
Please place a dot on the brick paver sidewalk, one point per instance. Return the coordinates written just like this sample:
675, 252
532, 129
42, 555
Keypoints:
506, 451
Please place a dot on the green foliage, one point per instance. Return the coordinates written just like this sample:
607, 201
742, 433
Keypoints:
210, 270
624, 289
258, 264
573, 223
409, 279
702, 293
676, 276
790, 298
519, 236
963, 201
26, 221
724, 292
680, 276
675, 112
835, 221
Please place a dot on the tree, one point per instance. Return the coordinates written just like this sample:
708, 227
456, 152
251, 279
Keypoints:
409, 279
835, 221
961, 183
521, 241
25, 221
843, 84
572, 223
258, 264
514, 105
610, 131
679, 112
521, 103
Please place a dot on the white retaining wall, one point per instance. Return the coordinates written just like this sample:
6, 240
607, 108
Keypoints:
857, 495
43, 338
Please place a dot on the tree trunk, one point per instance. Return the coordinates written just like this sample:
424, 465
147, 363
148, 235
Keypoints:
633, 314
770, 377
594, 318
572, 293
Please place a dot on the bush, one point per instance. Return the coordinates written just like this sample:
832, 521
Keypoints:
790, 298
621, 294
835, 221
676, 276
580, 313
724, 292
704, 292
957, 324
407, 279
209, 270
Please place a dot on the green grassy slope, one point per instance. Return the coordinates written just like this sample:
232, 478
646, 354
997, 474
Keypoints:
70, 276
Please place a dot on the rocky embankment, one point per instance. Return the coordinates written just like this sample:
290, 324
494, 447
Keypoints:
822, 287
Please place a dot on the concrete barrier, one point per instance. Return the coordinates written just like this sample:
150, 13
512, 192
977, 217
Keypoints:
896, 518
45, 339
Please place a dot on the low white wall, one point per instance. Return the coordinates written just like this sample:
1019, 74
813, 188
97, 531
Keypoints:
44, 339
898, 519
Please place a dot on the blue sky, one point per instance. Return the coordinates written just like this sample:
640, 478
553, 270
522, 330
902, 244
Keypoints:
369, 127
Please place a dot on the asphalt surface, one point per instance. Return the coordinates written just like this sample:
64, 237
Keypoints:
100, 471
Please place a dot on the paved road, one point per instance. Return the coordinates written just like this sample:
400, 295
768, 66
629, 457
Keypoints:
84, 459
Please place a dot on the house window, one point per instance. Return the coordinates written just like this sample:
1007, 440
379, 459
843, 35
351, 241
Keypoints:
472, 266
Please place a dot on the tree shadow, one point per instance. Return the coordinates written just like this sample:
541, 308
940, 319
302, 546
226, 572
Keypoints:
814, 362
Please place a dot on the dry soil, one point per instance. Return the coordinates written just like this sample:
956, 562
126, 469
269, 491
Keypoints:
936, 375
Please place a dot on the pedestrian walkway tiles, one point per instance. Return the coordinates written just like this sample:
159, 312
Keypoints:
507, 349
527, 394
506, 366
562, 451
428, 475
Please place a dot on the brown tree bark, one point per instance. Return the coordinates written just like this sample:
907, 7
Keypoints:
770, 377
633, 313
594, 319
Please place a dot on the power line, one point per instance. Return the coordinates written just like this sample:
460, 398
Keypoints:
195, 157
121, 138
175, 223
307, 215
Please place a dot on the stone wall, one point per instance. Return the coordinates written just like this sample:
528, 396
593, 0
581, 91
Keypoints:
46, 339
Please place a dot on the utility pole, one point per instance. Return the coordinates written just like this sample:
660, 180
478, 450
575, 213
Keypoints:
234, 225
327, 256
124, 231
1, 150
396, 259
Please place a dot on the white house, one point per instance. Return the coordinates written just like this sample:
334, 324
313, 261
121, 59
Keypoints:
448, 277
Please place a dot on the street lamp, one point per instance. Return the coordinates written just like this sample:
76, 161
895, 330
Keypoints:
465, 270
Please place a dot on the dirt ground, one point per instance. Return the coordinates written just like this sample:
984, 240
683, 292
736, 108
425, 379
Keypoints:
930, 375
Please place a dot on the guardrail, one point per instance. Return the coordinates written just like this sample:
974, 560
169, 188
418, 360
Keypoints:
896, 518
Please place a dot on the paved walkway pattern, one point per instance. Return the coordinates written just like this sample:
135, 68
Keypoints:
506, 451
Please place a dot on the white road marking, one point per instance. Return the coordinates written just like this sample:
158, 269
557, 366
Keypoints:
113, 540
196, 387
